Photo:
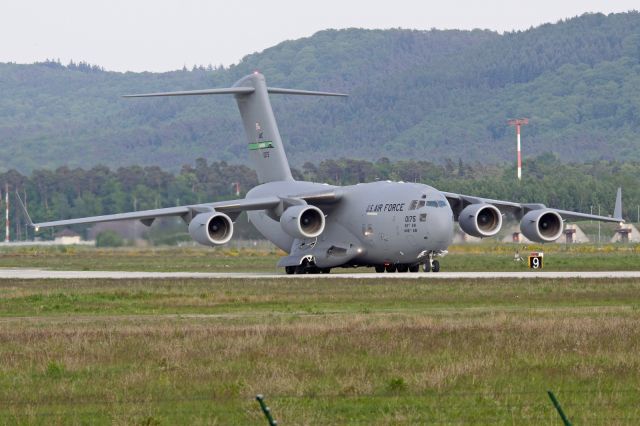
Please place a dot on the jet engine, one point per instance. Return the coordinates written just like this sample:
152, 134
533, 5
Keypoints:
302, 221
480, 220
211, 228
542, 226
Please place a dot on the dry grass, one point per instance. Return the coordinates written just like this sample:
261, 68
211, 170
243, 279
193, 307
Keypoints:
333, 352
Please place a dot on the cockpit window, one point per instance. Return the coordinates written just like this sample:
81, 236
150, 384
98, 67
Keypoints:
436, 203
416, 204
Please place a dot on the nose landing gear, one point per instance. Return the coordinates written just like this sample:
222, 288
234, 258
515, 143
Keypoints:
431, 265
306, 268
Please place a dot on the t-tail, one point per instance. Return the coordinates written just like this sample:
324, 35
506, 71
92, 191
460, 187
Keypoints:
265, 145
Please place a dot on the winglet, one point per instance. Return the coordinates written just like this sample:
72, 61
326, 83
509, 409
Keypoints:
24, 210
617, 210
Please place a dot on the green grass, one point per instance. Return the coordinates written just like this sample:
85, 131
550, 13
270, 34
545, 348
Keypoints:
488, 256
164, 259
321, 351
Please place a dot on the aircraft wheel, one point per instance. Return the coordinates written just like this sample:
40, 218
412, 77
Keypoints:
414, 268
379, 268
325, 270
390, 268
290, 270
403, 268
426, 267
436, 266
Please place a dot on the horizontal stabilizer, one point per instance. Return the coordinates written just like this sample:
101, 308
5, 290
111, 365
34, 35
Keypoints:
226, 91
235, 91
279, 91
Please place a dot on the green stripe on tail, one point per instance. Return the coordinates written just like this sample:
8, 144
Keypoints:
260, 145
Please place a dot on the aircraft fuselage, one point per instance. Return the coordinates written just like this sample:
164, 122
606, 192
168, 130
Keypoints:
374, 223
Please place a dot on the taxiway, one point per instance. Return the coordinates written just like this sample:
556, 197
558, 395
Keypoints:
20, 273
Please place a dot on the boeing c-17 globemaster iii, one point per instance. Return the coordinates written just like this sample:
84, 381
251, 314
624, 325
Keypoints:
391, 226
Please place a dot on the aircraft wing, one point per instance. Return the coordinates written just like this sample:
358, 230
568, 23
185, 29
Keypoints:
231, 207
518, 210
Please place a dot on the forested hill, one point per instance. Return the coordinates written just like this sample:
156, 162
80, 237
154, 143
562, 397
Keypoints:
414, 94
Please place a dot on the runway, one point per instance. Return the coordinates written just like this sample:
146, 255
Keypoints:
30, 274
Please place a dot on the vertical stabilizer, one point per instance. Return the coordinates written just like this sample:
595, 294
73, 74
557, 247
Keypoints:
264, 143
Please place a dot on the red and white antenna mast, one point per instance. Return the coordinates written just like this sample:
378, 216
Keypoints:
519, 122
6, 215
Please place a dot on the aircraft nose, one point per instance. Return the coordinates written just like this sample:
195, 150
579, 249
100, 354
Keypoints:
441, 227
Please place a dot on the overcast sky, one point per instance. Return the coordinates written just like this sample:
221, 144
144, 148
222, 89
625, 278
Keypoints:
162, 35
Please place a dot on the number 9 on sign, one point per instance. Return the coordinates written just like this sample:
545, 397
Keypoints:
535, 262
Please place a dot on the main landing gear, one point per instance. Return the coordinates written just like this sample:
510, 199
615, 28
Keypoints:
406, 267
429, 265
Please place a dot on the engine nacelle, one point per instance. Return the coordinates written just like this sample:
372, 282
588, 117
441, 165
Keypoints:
480, 220
302, 221
542, 226
211, 228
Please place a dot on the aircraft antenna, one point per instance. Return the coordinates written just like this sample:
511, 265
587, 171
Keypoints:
517, 122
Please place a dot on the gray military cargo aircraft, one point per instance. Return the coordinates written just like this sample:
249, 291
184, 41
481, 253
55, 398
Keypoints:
391, 226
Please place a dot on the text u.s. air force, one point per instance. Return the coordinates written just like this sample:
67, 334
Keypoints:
382, 208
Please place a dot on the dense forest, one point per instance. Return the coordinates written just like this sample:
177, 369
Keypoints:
427, 95
66, 192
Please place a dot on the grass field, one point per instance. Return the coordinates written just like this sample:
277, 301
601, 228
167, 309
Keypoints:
469, 257
163, 352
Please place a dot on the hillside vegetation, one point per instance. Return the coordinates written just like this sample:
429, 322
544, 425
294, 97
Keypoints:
426, 95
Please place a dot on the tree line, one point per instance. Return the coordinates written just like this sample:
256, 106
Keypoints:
66, 193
